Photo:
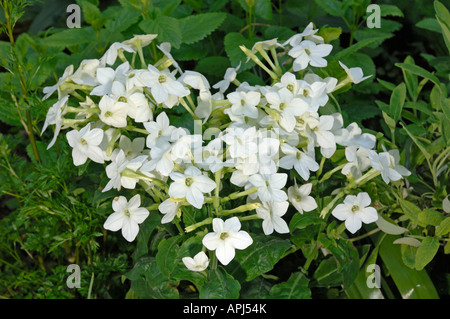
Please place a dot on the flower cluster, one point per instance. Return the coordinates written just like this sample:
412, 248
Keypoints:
121, 115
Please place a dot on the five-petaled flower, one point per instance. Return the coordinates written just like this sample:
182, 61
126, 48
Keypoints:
127, 216
225, 238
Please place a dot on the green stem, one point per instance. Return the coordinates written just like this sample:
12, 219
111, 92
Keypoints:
193, 227
23, 84
239, 194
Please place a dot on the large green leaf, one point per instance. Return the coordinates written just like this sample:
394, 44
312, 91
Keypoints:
148, 282
426, 252
259, 258
415, 69
167, 256
220, 285
397, 100
296, 287
232, 42
196, 27
167, 29
409, 282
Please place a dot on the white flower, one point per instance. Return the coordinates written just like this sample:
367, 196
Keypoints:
117, 166
161, 160
243, 103
113, 112
140, 41
288, 107
107, 76
353, 136
300, 161
230, 76
269, 186
324, 137
86, 73
85, 143
226, 237
170, 209
271, 213
160, 130
300, 199
388, 164
355, 211
49, 90
307, 34
127, 216
241, 142
55, 113
210, 156
191, 185
110, 55
131, 149
162, 85
308, 52
199, 263
314, 94
165, 48
355, 74
358, 161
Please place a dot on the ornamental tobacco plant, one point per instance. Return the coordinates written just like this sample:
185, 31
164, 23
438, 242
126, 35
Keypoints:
248, 160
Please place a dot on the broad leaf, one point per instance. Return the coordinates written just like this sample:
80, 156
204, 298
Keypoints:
220, 285
426, 252
296, 287
167, 29
196, 27
259, 258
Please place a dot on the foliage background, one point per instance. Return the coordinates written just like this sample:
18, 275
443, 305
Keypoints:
51, 214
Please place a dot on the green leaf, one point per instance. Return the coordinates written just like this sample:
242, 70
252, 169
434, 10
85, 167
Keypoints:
296, 287
167, 29
300, 221
410, 79
390, 10
409, 253
360, 45
419, 144
70, 37
327, 274
419, 71
410, 210
145, 230
148, 282
332, 7
330, 34
167, 256
430, 24
443, 228
443, 17
388, 85
397, 100
232, 42
92, 14
263, 9
221, 285
279, 32
426, 252
430, 216
196, 27
389, 120
410, 241
125, 18
388, 227
213, 65
410, 283
259, 258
